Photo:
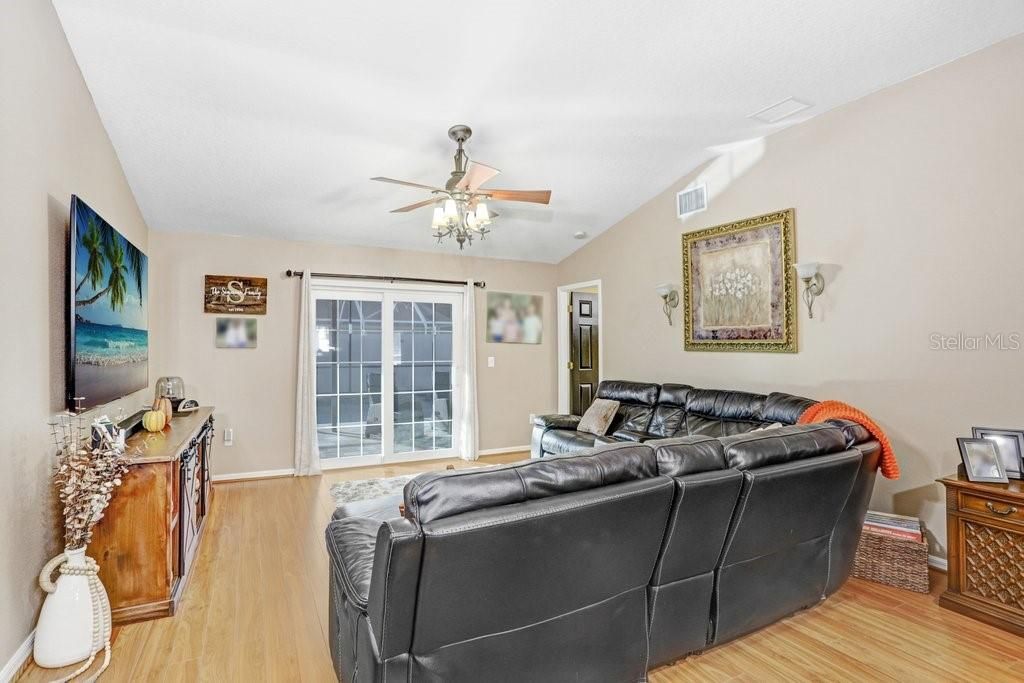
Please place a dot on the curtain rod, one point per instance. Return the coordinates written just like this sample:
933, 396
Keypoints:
383, 278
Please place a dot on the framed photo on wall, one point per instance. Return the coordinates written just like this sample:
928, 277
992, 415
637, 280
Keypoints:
236, 333
1009, 443
515, 318
739, 293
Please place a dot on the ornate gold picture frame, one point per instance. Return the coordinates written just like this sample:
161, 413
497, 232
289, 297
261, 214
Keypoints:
739, 289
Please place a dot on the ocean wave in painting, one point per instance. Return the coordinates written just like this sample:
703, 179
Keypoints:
106, 345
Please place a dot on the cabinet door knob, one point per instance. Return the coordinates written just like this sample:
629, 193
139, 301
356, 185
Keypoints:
1009, 510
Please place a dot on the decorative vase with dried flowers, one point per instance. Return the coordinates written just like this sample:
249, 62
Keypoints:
74, 623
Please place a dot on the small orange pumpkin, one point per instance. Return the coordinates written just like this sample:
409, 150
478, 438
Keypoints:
164, 405
154, 420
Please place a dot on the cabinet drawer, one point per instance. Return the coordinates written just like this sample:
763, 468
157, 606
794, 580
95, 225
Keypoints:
990, 507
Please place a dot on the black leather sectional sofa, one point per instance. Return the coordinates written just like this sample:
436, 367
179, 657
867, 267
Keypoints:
603, 565
657, 411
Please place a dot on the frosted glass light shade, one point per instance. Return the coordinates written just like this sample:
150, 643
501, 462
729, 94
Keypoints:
664, 289
482, 214
451, 209
806, 270
438, 219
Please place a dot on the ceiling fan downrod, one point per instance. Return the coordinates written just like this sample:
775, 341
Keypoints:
459, 133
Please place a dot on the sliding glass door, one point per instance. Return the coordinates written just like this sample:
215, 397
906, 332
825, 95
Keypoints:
386, 364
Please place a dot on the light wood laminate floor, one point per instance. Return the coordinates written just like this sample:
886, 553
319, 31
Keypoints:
256, 610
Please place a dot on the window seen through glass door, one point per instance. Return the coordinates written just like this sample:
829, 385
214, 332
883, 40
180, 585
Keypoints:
422, 376
348, 377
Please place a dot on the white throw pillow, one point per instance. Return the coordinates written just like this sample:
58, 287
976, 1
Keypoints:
598, 417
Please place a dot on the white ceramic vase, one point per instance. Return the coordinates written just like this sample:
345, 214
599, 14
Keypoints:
64, 633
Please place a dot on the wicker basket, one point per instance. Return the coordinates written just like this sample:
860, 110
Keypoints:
899, 562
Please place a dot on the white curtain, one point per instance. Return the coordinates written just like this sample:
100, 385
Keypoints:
307, 456
468, 438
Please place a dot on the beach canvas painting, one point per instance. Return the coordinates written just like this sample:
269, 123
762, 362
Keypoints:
109, 329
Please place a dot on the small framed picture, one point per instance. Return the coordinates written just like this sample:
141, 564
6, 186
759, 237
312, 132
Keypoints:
1009, 443
236, 333
981, 460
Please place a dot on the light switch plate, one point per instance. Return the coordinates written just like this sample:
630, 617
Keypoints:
490, 361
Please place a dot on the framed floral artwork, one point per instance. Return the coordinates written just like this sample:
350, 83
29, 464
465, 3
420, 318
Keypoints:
739, 293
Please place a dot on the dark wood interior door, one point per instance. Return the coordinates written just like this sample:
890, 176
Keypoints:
583, 351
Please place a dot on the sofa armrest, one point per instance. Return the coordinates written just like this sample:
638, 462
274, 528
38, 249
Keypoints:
543, 423
557, 421
393, 586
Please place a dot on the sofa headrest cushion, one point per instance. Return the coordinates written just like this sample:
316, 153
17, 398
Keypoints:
688, 455
785, 408
674, 394
726, 405
435, 495
785, 444
629, 392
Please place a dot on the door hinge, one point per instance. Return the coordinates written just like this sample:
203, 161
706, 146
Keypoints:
570, 365
569, 308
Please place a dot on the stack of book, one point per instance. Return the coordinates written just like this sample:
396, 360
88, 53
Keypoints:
897, 526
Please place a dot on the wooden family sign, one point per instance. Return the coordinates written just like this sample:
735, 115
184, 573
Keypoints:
235, 294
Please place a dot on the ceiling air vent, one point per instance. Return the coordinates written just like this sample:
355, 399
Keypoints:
692, 200
780, 110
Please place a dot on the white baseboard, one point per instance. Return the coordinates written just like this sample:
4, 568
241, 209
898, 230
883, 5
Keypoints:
507, 449
20, 656
938, 562
270, 474
261, 474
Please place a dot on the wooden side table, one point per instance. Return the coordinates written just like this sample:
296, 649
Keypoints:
985, 532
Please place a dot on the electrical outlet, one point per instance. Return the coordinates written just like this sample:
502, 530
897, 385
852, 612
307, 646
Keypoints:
229, 437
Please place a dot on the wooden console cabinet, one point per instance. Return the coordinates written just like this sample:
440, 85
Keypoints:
985, 532
149, 535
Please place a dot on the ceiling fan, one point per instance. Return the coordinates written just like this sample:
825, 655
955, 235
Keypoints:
460, 207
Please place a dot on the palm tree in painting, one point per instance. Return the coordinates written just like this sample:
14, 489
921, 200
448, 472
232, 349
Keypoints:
92, 242
103, 243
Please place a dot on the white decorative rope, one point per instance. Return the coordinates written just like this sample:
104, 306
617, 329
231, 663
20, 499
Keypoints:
100, 610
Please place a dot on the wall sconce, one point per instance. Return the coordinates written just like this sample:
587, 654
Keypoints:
670, 297
814, 283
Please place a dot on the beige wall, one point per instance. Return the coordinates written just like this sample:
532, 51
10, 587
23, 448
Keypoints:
254, 390
916, 195
52, 144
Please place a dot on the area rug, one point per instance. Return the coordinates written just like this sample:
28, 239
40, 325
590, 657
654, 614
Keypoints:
365, 489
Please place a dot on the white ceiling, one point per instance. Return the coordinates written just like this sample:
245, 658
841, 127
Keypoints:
268, 118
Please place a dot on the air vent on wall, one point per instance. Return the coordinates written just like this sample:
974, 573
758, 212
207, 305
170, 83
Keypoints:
692, 200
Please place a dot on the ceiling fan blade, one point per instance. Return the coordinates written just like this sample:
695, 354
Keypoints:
408, 184
476, 175
417, 205
535, 196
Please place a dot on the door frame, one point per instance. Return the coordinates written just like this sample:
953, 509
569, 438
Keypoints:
384, 291
562, 304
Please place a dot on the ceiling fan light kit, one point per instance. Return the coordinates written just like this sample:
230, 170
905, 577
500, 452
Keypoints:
460, 207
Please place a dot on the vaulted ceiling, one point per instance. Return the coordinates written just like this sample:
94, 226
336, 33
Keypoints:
269, 118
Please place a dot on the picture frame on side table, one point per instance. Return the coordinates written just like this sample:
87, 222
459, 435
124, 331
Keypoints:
1009, 443
981, 460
